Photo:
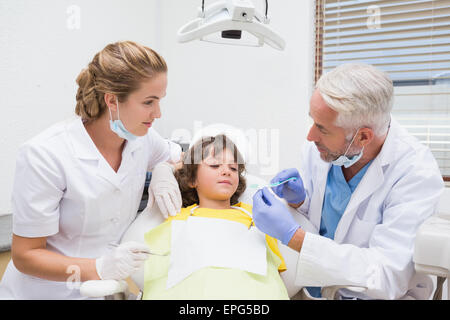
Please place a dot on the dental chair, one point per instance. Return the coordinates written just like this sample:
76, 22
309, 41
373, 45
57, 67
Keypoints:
432, 246
431, 254
145, 221
152, 217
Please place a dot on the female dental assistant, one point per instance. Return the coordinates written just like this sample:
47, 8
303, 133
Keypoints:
78, 184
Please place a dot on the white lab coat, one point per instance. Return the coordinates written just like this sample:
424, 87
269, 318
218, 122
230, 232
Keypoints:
374, 240
66, 191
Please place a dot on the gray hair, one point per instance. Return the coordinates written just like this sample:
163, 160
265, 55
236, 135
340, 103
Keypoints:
361, 94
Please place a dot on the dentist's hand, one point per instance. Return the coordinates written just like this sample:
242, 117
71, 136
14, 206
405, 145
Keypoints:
292, 191
121, 262
272, 217
165, 190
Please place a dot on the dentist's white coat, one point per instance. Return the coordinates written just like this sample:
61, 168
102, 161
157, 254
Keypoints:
374, 240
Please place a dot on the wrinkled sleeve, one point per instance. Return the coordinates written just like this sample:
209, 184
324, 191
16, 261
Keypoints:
39, 184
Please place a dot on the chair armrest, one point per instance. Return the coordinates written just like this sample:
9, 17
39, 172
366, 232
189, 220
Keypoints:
103, 288
331, 292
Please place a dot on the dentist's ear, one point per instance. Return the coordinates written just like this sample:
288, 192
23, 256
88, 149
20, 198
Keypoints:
111, 101
365, 136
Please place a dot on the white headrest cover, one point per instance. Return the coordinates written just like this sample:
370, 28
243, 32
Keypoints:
234, 134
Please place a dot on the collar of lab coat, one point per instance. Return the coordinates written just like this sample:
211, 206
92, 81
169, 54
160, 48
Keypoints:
388, 152
372, 180
85, 149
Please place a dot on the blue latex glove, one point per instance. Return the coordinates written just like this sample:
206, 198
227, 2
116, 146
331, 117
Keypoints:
292, 191
271, 216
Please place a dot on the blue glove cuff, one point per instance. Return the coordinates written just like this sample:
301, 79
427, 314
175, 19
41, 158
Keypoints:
288, 236
299, 199
296, 198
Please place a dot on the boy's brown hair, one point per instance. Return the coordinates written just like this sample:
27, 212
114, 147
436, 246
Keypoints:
187, 175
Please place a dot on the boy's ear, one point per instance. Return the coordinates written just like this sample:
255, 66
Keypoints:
192, 185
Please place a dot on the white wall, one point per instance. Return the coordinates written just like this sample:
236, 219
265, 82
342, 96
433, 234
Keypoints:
44, 45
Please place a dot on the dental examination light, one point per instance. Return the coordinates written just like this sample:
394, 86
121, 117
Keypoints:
234, 22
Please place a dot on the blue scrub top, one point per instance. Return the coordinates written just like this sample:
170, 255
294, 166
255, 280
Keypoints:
337, 196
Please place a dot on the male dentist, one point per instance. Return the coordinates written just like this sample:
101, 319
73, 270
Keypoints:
365, 183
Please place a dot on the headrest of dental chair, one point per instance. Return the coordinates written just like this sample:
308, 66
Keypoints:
150, 218
234, 134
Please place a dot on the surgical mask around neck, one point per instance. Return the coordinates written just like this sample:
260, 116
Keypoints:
117, 126
345, 161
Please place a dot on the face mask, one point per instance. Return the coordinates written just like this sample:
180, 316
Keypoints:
344, 160
117, 126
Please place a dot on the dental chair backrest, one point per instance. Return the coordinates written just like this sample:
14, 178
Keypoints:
152, 217
444, 203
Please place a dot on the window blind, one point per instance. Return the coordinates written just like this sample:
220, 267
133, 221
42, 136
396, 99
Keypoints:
410, 40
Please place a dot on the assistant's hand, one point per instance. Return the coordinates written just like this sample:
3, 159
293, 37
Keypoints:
164, 190
293, 191
121, 262
272, 217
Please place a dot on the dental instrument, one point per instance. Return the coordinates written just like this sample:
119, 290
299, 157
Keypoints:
149, 252
271, 185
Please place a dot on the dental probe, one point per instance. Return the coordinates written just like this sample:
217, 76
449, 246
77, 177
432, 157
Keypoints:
276, 184
155, 254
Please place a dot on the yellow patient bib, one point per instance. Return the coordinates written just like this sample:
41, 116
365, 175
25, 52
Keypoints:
211, 282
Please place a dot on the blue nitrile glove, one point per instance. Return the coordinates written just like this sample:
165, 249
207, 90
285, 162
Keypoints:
272, 217
292, 191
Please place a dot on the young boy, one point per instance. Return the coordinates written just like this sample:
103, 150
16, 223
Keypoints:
211, 182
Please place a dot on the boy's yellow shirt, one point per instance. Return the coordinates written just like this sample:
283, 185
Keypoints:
211, 282
232, 215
